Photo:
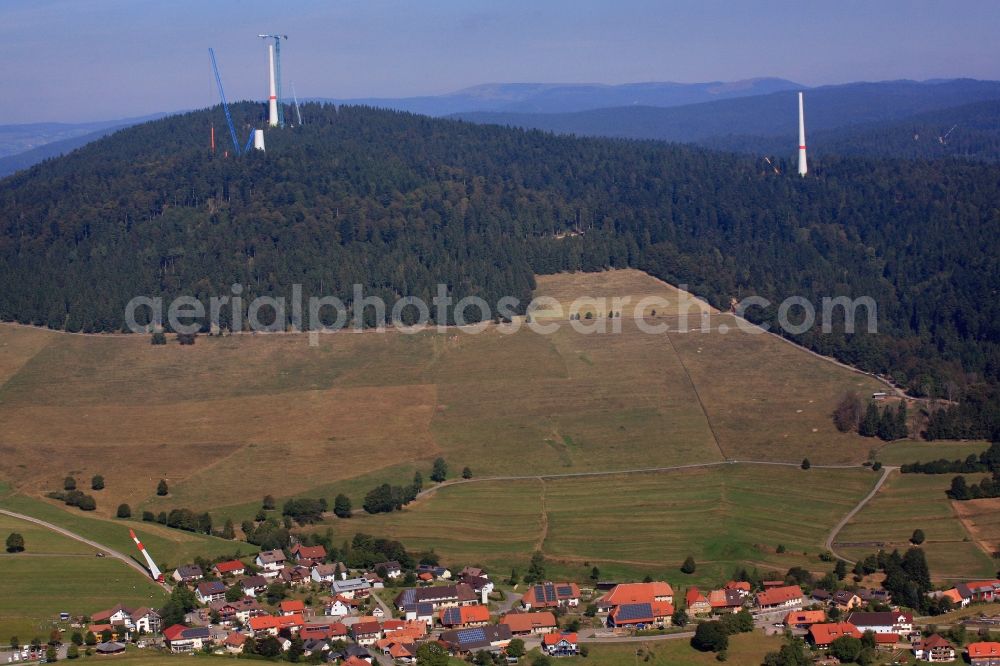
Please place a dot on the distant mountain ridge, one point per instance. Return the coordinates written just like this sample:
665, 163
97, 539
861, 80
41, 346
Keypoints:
569, 97
771, 115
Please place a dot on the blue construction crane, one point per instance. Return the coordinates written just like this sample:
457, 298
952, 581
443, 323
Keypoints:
225, 105
277, 73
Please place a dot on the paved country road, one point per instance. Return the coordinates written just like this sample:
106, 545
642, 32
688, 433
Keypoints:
839, 526
93, 544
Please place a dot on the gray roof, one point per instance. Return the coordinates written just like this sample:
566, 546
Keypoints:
271, 556
350, 585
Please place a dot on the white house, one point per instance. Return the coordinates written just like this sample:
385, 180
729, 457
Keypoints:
271, 560
882, 623
351, 587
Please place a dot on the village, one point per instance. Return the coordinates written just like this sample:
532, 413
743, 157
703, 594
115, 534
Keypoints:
299, 605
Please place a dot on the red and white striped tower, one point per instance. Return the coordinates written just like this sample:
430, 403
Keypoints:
153, 569
272, 99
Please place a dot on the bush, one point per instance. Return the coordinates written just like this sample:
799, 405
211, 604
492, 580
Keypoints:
148, 516
161, 488
97, 483
87, 503
158, 338
689, 565
125, 511
918, 537
15, 543
69, 483
806, 464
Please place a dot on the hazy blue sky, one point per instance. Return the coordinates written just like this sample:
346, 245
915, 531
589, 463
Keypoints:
76, 60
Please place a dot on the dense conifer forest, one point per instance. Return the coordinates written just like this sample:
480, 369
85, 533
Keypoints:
399, 202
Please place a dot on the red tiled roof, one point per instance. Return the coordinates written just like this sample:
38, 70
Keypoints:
173, 632
694, 596
984, 649
467, 614
528, 621
637, 593
826, 633
292, 606
778, 595
229, 566
310, 552
235, 639
553, 639
934, 641
263, 622
366, 628
887, 639
531, 594
796, 618
738, 585
355, 661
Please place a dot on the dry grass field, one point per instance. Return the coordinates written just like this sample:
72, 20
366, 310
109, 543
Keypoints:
230, 419
910, 501
981, 518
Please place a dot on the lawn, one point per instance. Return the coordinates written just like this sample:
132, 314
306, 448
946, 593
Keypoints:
35, 588
743, 649
169, 547
633, 525
39, 540
910, 451
907, 502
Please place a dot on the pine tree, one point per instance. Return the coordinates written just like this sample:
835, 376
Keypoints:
901, 431
440, 471
161, 488
869, 424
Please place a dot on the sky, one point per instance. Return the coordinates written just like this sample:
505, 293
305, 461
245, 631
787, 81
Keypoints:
87, 60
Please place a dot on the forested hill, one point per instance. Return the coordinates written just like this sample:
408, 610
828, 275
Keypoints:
399, 202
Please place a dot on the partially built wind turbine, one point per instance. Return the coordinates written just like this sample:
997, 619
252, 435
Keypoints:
802, 139
275, 110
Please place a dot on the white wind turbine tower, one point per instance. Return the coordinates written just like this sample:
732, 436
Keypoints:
802, 140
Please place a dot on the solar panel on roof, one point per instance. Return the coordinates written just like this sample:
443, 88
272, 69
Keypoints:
452, 616
471, 635
629, 612
408, 596
565, 591
550, 593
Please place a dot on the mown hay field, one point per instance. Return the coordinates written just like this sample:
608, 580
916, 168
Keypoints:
917, 501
